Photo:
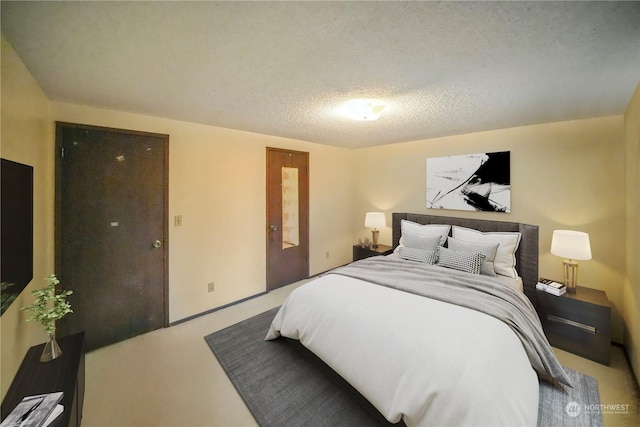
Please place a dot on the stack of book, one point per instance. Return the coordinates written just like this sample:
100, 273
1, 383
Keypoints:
551, 287
35, 411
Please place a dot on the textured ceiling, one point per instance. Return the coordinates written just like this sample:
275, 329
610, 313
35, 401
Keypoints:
284, 68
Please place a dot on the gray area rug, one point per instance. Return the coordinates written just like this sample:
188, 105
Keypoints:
283, 386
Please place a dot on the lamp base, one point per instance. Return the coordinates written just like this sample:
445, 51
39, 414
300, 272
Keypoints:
374, 238
570, 275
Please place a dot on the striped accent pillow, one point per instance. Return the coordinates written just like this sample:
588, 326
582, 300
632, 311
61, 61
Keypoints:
420, 255
463, 261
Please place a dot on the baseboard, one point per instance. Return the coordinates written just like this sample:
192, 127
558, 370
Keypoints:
213, 310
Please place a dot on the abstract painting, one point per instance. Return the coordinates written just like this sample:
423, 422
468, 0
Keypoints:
473, 182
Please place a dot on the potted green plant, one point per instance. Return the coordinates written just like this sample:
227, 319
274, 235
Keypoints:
49, 307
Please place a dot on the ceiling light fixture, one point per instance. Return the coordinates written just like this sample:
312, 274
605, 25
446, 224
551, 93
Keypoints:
363, 109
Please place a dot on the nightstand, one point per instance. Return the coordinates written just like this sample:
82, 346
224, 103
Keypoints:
578, 322
361, 253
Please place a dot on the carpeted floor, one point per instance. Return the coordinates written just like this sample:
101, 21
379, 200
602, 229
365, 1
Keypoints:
283, 387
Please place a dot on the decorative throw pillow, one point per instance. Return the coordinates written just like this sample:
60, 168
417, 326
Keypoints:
419, 241
420, 255
463, 261
505, 261
410, 227
488, 249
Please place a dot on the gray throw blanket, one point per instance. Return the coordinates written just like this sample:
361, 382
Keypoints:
476, 292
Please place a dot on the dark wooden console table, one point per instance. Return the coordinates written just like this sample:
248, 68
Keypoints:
66, 373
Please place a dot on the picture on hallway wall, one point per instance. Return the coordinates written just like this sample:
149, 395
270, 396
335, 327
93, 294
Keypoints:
473, 182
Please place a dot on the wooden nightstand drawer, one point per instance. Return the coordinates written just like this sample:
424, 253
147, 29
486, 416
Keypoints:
579, 323
591, 344
361, 253
598, 316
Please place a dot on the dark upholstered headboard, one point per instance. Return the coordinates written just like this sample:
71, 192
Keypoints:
526, 255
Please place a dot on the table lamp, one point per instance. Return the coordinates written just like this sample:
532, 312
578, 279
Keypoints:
571, 245
375, 220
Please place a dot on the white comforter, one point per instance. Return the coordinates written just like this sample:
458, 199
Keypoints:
422, 360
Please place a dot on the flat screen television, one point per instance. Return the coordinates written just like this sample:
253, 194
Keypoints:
16, 228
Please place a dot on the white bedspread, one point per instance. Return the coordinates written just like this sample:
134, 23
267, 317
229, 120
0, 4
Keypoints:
422, 360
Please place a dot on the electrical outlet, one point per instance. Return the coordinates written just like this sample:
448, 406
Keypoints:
177, 220
211, 286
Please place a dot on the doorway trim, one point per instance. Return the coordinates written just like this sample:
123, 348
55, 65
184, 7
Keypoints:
58, 231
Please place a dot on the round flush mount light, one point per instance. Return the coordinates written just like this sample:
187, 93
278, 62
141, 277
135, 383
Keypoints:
362, 109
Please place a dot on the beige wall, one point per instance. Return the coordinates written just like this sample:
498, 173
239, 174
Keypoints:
217, 184
631, 291
27, 137
563, 175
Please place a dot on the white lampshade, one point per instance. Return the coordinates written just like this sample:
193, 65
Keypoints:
375, 220
571, 244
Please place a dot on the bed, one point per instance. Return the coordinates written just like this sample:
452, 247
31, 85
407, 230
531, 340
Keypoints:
433, 343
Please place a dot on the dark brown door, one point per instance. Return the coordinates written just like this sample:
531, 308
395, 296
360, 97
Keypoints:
287, 217
111, 231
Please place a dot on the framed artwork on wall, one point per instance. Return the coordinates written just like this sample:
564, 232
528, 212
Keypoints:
472, 182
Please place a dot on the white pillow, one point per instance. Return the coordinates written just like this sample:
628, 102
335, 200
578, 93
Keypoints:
488, 249
419, 241
424, 230
505, 261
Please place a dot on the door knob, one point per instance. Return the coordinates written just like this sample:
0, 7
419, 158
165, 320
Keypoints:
273, 228
157, 244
